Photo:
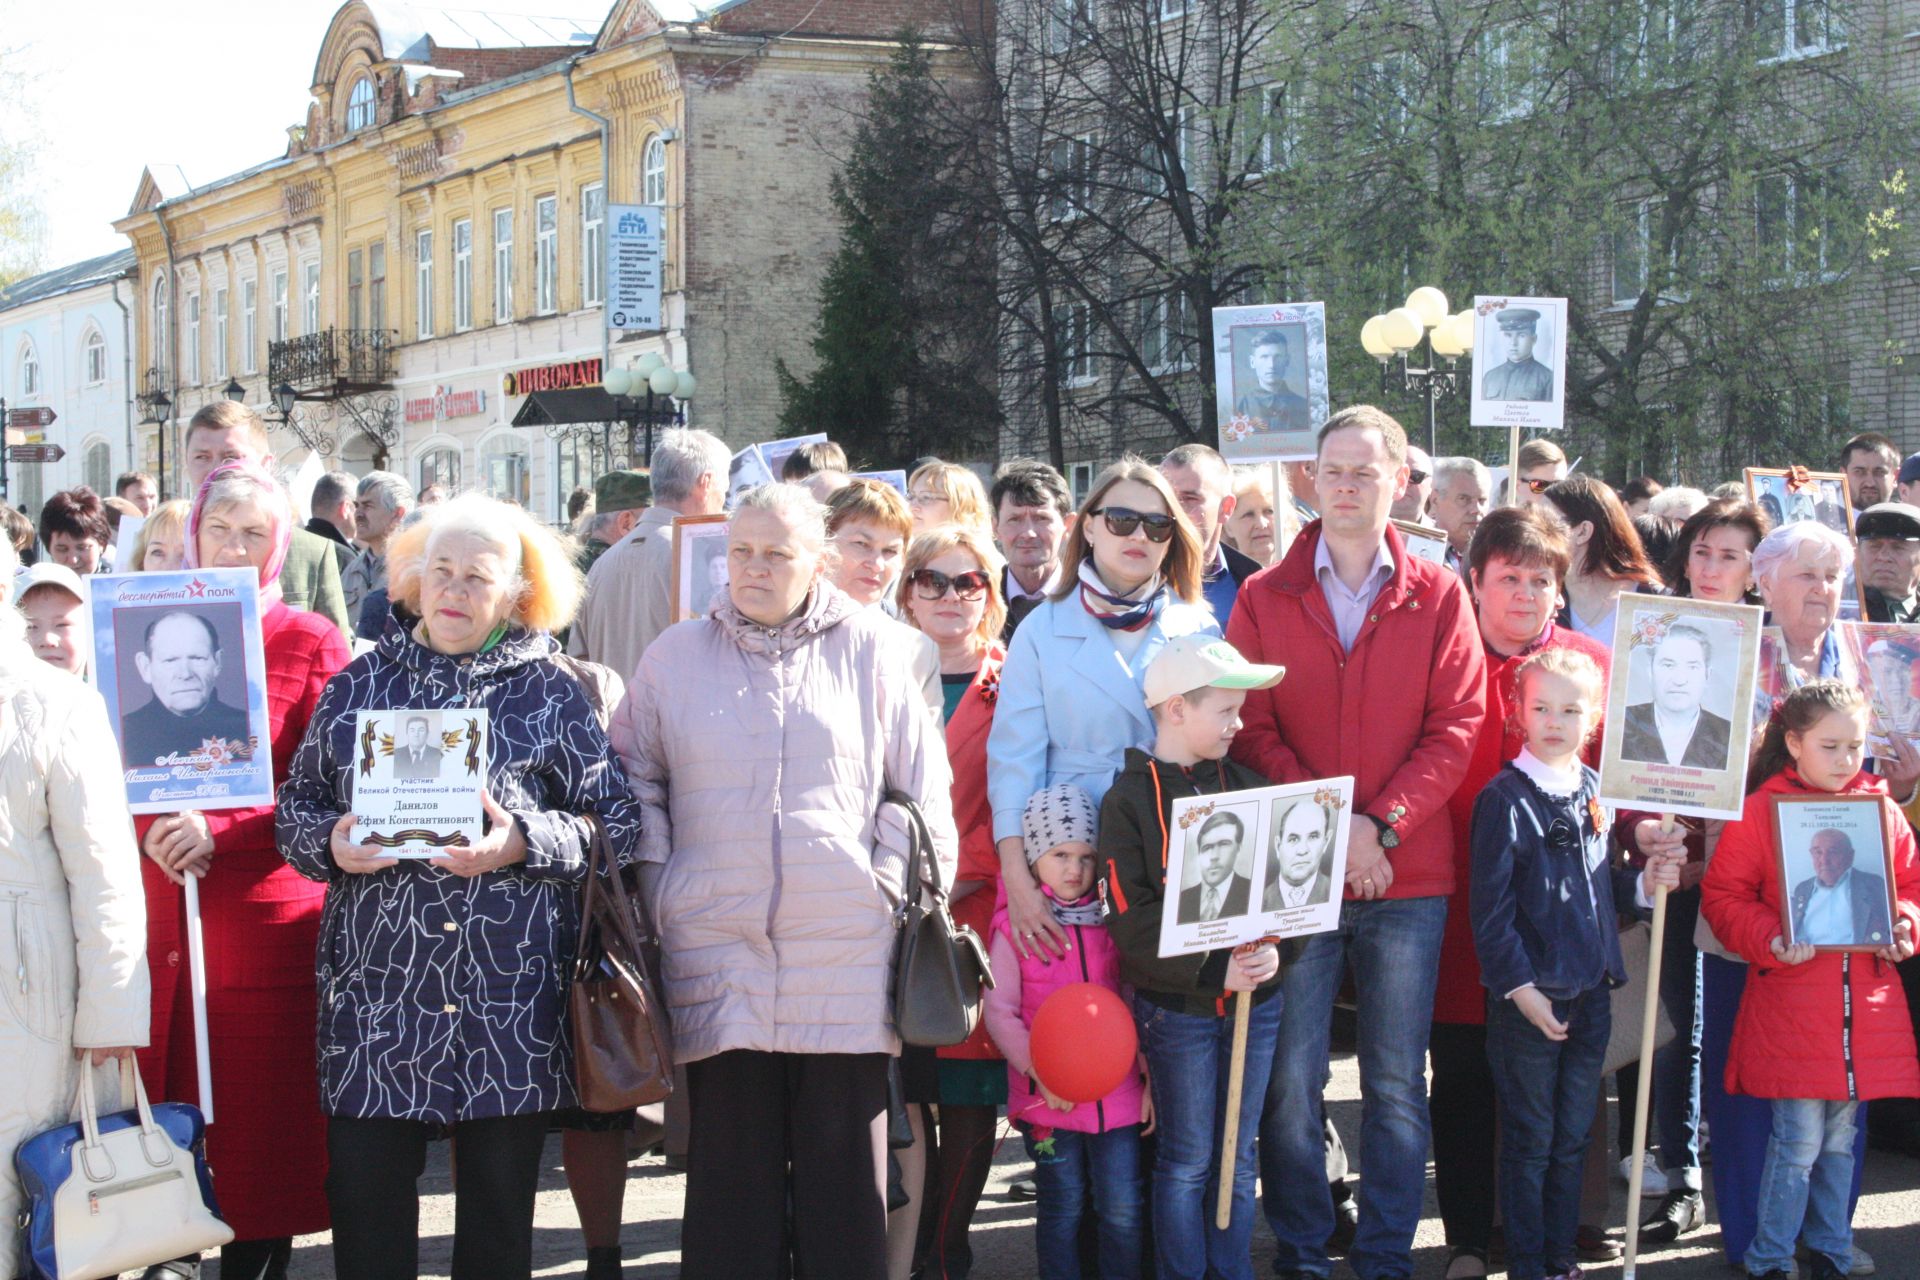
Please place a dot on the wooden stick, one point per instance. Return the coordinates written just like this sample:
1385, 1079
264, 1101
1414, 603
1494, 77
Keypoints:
1236, 1078
1649, 1024
1513, 466
197, 983
1283, 521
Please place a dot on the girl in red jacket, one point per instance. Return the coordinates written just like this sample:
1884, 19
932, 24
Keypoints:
1818, 1033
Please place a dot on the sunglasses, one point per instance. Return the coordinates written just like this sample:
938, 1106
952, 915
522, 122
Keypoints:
1539, 486
931, 584
1122, 521
1416, 477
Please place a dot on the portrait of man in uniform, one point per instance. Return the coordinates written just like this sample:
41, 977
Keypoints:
1219, 891
1674, 727
1839, 905
1520, 377
179, 661
1272, 399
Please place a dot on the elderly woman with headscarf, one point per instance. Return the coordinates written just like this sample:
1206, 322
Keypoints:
442, 981
76, 980
769, 744
260, 919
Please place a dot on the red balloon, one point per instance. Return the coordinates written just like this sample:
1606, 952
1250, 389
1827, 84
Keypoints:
1083, 1042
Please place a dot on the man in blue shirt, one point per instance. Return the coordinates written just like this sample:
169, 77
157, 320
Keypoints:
1203, 482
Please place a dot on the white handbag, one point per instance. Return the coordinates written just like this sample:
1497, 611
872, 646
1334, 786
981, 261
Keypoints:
120, 1192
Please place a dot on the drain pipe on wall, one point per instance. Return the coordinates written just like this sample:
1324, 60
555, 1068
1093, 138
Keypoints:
606, 200
126, 353
173, 345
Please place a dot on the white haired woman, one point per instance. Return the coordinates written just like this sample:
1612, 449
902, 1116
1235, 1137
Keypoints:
260, 920
764, 742
77, 974
443, 980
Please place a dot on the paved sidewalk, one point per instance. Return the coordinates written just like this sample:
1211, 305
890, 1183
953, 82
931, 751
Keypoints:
1887, 1224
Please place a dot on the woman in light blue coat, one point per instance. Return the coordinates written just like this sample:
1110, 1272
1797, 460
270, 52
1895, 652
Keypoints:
1071, 700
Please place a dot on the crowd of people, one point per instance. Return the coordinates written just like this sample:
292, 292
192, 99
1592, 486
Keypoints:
1034, 681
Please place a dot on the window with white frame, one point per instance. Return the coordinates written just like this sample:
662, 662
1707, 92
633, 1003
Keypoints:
502, 265
190, 340
97, 469
360, 104
310, 297
94, 354
249, 326
546, 254
356, 285
29, 369
506, 469
1185, 141
1511, 71
441, 466
377, 285
1073, 343
1068, 23
1798, 28
463, 275
1170, 9
219, 334
423, 283
279, 329
578, 461
1166, 331
653, 171
1079, 481
161, 339
1269, 128
593, 244
1380, 90
1664, 40
1801, 228
1068, 175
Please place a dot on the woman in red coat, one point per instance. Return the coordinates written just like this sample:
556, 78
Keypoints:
1516, 564
949, 589
1818, 1032
267, 1142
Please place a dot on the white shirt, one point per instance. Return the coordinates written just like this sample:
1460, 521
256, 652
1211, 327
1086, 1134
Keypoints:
1828, 920
1675, 734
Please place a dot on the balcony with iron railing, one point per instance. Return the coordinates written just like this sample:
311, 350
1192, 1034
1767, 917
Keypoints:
332, 363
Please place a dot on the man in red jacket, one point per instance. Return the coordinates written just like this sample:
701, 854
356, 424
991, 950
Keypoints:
1385, 683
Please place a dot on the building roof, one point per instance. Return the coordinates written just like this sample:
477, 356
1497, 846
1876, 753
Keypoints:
406, 29
79, 275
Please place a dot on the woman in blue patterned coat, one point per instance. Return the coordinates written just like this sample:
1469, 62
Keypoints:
442, 982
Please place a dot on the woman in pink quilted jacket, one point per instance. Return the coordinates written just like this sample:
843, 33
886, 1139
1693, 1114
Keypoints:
763, 742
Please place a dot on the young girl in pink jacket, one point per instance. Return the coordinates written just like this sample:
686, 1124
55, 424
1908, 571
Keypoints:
1074, 1145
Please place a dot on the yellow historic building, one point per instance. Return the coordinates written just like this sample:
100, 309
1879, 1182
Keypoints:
425, 264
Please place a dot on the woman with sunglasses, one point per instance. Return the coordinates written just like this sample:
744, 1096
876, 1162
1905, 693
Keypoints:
1608, 560
1070, 696
949, 590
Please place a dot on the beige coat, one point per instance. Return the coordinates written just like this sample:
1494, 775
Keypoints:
629, 596
761, 757
73, 935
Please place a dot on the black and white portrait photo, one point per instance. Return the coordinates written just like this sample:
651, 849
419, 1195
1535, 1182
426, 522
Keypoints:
178, 661
699, 564
1219, 882
1271, 391
1273, 371
1833, 871
1519, 363
417, 755
1520, 375
1792, 495
1300, 865
1675, 725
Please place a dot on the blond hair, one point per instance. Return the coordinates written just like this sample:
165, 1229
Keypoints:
1568, 664
1182, 566
168, 518
547, 586
874, 501
935, 543
966, 497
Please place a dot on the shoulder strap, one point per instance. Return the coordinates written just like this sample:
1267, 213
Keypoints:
920, 841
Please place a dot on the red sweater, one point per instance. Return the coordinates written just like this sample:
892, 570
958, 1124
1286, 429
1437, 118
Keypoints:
1399, 714
1459, 997
1835, 1028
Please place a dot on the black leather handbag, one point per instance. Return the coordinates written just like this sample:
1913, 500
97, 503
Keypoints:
939, 970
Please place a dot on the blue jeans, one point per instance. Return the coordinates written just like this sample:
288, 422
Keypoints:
1806, 1183
1107, 1162
1394, 948
1548, 1091
1188, 1056
1676, 1065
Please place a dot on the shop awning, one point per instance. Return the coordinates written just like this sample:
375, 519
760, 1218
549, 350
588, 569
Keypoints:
558, 408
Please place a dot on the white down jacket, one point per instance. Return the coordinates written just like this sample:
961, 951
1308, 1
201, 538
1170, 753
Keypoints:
761, 757
73, 923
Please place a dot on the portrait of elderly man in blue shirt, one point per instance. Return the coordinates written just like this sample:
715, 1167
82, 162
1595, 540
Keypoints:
1839, 905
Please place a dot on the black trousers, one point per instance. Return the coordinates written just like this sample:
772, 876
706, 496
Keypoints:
756, 1115
1461, 1108
373, 1176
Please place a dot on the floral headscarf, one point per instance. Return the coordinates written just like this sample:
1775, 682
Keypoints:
273, 500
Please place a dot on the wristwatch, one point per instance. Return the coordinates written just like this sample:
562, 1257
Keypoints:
1389, 838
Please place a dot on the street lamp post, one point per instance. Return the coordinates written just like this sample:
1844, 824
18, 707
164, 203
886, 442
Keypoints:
1401, 331
654, 379
159, 407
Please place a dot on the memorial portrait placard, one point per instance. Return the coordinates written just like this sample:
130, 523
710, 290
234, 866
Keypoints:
1519, 363
699, 564
1835, 863
1270, 381
417, 778
1885, 657
1790, 495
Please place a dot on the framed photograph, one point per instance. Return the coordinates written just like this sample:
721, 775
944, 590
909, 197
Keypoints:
1519, 363
1680, 706
774, 452
748, 470
1836, 871
699, 564
177, 658
1792, 494
1886, 662
1269, 862
417, 782
896, 480
1270, 386
1424, 541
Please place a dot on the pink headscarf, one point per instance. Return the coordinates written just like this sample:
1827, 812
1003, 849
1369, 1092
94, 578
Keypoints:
273, 501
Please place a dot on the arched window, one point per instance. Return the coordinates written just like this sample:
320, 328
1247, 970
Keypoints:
653, 171
162, 343
441, 466
506, 469
29, 369
93, 357
98, 468
360, 106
